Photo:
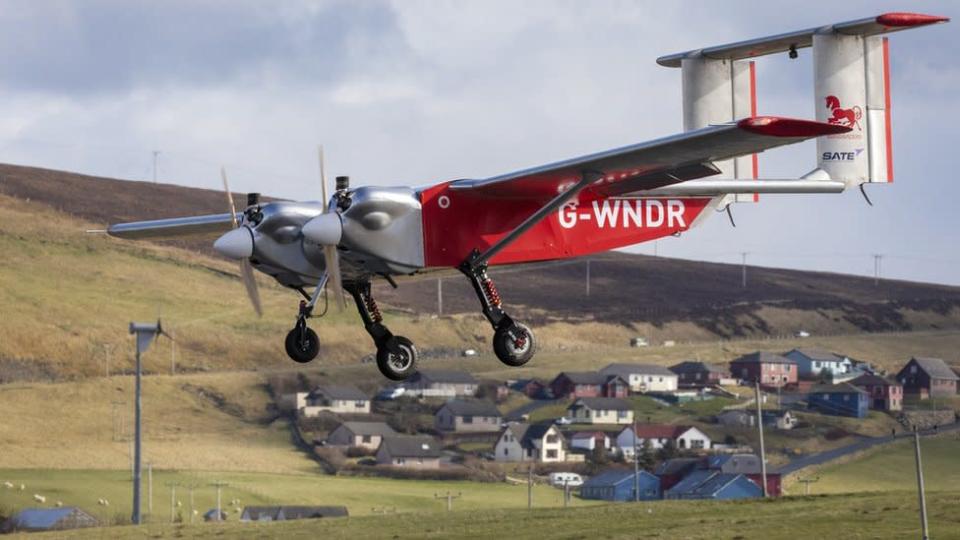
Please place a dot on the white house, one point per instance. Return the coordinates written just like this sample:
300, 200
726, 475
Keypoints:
363, 434
542, 443
600, 411
683, 437
814, 363
336, 399
644, 377
590, 440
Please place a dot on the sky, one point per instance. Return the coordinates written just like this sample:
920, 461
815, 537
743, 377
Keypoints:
415, 92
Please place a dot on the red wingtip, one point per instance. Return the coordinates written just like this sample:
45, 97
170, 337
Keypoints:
898, 19
776, 126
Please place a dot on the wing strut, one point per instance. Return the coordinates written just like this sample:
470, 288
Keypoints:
587, 177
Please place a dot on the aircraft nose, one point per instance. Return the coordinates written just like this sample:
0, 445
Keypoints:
235, 244
325, 229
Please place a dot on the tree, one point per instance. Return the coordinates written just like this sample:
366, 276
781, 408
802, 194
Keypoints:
668, 451
646, 458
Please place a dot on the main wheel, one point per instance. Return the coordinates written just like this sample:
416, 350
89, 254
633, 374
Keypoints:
302, 348
400, 365
517, 349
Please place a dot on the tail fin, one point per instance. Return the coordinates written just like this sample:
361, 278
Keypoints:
851, 88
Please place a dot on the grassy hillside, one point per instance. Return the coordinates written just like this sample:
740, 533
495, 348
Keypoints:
891, 468
872, 516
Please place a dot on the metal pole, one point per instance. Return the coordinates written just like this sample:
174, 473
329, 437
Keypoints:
530, 487
218, 484
743, 269
566, 493
636, 465
149, 488
173, 503
136, 518
439, 297
588, 277
173, 355
191, 502
763, 453
923, 498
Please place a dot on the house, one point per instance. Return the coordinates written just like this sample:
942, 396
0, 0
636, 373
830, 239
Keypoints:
928, 377
49, 519
644, 377
284, 513
621, 485
600, 410
530, 442
713, 484
533, 388
842, 399
442, 383
340, 399
747, 465
701, 374
360, 434
885, 395
462, 416
772, 370
589, 440
671, 471
409, 451
578, 384
817, 364
658, 435
746, 418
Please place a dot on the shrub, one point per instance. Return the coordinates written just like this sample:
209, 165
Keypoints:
332, 459
359, 451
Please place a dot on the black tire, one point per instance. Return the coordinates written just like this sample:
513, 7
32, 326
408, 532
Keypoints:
398, 367
509, 351
302, 350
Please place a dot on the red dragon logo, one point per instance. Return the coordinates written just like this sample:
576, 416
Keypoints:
843, 117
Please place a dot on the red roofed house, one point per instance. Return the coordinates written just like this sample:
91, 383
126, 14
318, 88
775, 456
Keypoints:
580, 384
683, 437
885, 395
928, 377
772, 370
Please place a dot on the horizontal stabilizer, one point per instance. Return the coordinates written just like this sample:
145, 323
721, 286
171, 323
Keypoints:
717, 188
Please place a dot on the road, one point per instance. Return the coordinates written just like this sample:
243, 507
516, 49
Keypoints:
862, 444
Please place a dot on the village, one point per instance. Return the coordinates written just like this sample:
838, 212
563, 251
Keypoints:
608, 433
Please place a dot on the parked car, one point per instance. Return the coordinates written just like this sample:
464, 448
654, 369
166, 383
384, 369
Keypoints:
564, 421
388, 394
561, 479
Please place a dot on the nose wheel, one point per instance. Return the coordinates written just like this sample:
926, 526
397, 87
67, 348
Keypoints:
302, 343
514, 344
396, 355
397, 360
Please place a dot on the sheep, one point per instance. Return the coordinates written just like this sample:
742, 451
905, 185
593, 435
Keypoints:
22, 487
8, 485
58, 504
39, 498
103, 502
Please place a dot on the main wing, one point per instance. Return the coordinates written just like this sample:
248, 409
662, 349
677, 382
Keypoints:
173, 227
653, 164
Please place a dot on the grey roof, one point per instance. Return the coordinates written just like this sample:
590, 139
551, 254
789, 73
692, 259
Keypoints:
411, 446
445, 376
45, 518
677, 465
841, 388
698, 367
735, 463
526, 433
584, 377
369, 428
869, 379
344, 392
818, 354
613, 477
936, 368
473, 407
292, 512
625, 369
763, 357
603, 403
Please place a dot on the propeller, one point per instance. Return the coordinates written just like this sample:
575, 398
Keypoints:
238, 244
326, 230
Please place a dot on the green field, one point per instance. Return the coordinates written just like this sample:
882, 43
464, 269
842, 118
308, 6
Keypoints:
865, 516
891, 468
360, 495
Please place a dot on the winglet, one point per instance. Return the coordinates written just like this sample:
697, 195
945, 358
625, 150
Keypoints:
778, 126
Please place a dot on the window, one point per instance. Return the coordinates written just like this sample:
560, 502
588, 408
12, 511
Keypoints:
551, 454
696, 443
401, 461
551, 439
913, 368
467, 419
506, 451
367, 439
360, 404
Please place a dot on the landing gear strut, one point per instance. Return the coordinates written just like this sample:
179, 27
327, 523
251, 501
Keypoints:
396, 355
513, 342
302, 343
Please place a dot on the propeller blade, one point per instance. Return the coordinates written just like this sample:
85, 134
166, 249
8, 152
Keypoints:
226, 188
332, 260
323, 178
246, 271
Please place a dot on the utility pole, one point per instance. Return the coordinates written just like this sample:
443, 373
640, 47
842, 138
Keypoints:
108, 351
530, 487
173, 500
219, 485
806, 483
146, 333
190, 488
636, 465
440, 297
877, 268
763, 453
588, 278
743, 269
149, 488
449, 497
156, 158
173, 355
923, 498
566, 493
